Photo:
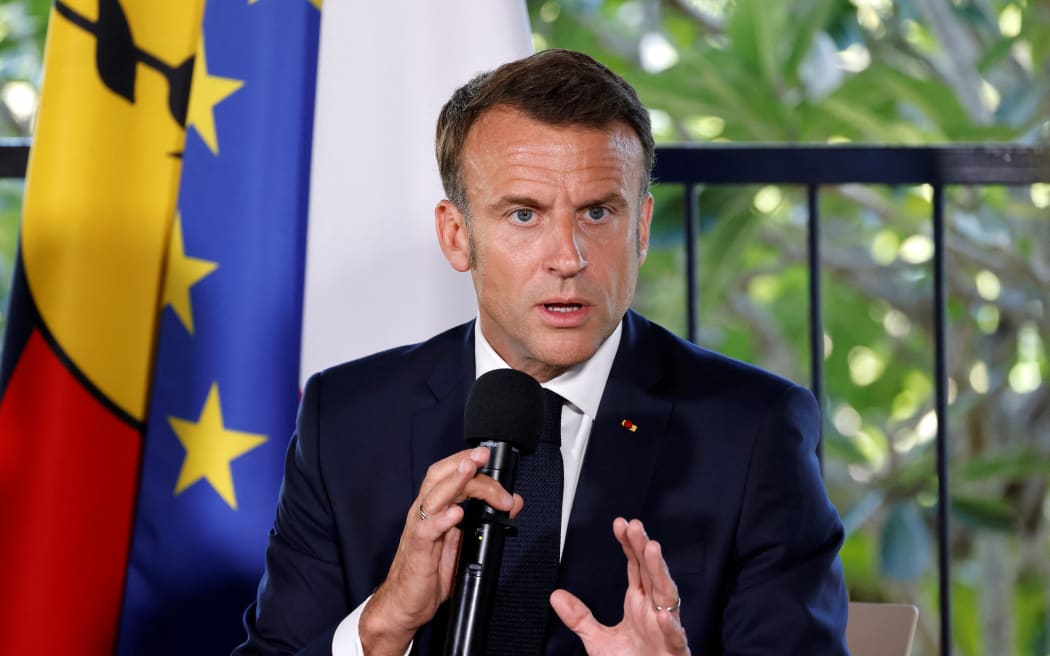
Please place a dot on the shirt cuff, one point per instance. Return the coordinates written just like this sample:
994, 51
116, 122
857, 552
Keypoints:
347, 638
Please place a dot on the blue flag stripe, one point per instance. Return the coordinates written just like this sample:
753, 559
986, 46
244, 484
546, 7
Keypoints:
196, 559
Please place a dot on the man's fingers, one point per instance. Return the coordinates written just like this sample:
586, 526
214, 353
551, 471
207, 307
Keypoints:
436, 524
633, 572
449, 559
445, 467
664, 591
671, 629
485, 488
637, 539
519, 503
445, 479
575, 615
453, 479
656, 582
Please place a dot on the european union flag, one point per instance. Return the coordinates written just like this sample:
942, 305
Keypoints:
225, 384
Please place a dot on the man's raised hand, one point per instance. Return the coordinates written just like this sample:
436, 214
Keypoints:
651, 607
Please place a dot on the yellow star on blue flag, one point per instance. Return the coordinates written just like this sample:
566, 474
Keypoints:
207, 91
181, 273
210, 446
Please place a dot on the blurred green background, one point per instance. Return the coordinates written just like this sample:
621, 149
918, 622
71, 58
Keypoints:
872, 71
22, 29
830, 71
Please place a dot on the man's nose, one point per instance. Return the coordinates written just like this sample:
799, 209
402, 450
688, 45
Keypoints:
565, 254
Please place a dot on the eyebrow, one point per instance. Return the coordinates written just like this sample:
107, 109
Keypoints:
613, 198
508, 201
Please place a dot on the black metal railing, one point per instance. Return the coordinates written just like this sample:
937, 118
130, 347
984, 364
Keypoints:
813, 167
14, 156
817, 166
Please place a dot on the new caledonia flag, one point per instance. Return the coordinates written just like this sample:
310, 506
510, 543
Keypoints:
150, 367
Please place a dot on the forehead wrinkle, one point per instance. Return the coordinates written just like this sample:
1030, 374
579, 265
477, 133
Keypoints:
549, 154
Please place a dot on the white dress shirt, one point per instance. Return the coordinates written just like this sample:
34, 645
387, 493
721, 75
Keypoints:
582, 387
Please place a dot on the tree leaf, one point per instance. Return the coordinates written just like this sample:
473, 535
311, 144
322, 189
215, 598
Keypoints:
842, 449
904, 553
1005, 467
984, 512
809, 19
752, 35
722, 246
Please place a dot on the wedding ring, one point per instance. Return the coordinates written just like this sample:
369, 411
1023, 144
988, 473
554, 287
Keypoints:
669, 609
422, 513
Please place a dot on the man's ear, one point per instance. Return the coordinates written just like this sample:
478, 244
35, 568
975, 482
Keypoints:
645, 220
452, 235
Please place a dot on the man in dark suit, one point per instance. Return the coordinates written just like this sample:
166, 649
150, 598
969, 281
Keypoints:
546, 164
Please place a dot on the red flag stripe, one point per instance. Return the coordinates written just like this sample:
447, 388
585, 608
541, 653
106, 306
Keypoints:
68, 469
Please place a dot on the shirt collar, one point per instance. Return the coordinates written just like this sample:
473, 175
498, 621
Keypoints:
582, 385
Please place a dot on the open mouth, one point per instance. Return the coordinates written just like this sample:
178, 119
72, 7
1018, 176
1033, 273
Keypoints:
563, 307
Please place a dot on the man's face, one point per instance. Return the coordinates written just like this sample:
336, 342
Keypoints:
557, 232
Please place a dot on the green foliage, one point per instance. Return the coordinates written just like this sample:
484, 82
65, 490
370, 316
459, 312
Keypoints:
906, 544
1015, 466
895, 72
22, 28
10, 214
965, 614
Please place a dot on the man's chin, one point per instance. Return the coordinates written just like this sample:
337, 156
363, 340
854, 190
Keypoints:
565, 355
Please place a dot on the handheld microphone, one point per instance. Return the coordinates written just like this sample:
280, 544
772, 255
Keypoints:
504, 413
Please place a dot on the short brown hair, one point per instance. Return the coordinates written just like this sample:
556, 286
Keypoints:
557, 87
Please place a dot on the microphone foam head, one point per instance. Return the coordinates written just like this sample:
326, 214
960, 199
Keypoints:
505, 405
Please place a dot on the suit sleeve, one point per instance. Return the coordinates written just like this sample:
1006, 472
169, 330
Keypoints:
301, 597
788, 595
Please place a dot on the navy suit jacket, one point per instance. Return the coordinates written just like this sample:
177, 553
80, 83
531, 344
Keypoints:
721, 469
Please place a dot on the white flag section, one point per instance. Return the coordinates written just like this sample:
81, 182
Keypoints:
375, 277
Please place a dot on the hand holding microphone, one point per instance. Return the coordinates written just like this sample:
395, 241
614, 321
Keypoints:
421, 574
504, 413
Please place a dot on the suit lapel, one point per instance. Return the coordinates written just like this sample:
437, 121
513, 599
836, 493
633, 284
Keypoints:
617, 470
437, 426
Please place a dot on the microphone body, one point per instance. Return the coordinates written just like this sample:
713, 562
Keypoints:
504, 413
480, 555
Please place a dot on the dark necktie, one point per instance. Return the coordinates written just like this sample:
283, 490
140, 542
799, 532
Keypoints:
529, 570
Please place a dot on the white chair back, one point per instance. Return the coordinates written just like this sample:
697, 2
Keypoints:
881, 629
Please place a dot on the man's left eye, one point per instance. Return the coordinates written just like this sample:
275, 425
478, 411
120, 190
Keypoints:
597, 213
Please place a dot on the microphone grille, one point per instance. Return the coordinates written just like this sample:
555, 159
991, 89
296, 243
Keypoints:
505, 405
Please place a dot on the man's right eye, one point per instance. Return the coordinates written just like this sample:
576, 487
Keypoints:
523, 215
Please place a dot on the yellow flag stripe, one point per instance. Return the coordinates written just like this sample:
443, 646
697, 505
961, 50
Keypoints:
102, 182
